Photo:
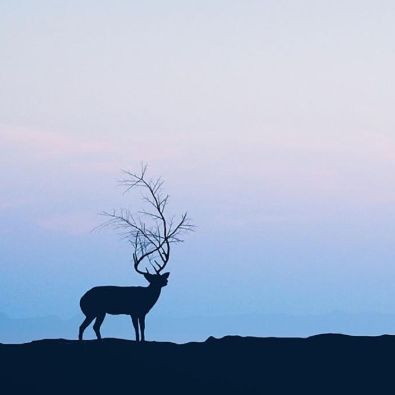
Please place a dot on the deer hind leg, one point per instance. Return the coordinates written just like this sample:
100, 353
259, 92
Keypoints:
97, 324
136, 327
84, 325
142, 327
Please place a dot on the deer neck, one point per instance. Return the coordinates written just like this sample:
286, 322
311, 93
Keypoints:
154, 292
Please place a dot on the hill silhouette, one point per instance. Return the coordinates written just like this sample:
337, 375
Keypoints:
327, 363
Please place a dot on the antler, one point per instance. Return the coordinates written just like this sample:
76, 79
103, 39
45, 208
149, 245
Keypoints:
140, 245
151, 233
171, 233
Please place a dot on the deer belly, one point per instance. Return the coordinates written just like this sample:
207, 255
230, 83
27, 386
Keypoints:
120, 307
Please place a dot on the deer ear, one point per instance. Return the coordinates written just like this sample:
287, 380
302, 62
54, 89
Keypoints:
166, 275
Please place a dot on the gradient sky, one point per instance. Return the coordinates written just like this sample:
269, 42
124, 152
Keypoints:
272, 123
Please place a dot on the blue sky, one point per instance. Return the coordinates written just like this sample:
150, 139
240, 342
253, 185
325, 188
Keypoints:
271, 122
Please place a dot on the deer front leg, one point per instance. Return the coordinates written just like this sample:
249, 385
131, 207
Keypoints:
142, 327
136, 327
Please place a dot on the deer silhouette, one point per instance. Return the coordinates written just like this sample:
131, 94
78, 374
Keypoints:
133, 301
150, 236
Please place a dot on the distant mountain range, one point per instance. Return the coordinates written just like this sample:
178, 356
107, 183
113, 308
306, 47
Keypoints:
182, 329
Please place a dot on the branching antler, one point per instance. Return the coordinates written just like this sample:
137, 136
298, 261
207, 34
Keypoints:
150, 233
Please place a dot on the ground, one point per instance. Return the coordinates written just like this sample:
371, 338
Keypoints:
335, 364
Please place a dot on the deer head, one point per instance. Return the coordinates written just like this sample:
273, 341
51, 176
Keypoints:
159, 280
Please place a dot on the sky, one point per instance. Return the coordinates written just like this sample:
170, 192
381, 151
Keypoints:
271, 122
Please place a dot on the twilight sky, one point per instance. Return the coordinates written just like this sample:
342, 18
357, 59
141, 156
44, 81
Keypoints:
272, 123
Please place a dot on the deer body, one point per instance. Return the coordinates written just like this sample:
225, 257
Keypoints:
119, 300
133, 301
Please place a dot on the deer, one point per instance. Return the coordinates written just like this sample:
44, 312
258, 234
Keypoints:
151, 236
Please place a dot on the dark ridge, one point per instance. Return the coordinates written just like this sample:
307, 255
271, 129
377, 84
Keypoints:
328, 363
